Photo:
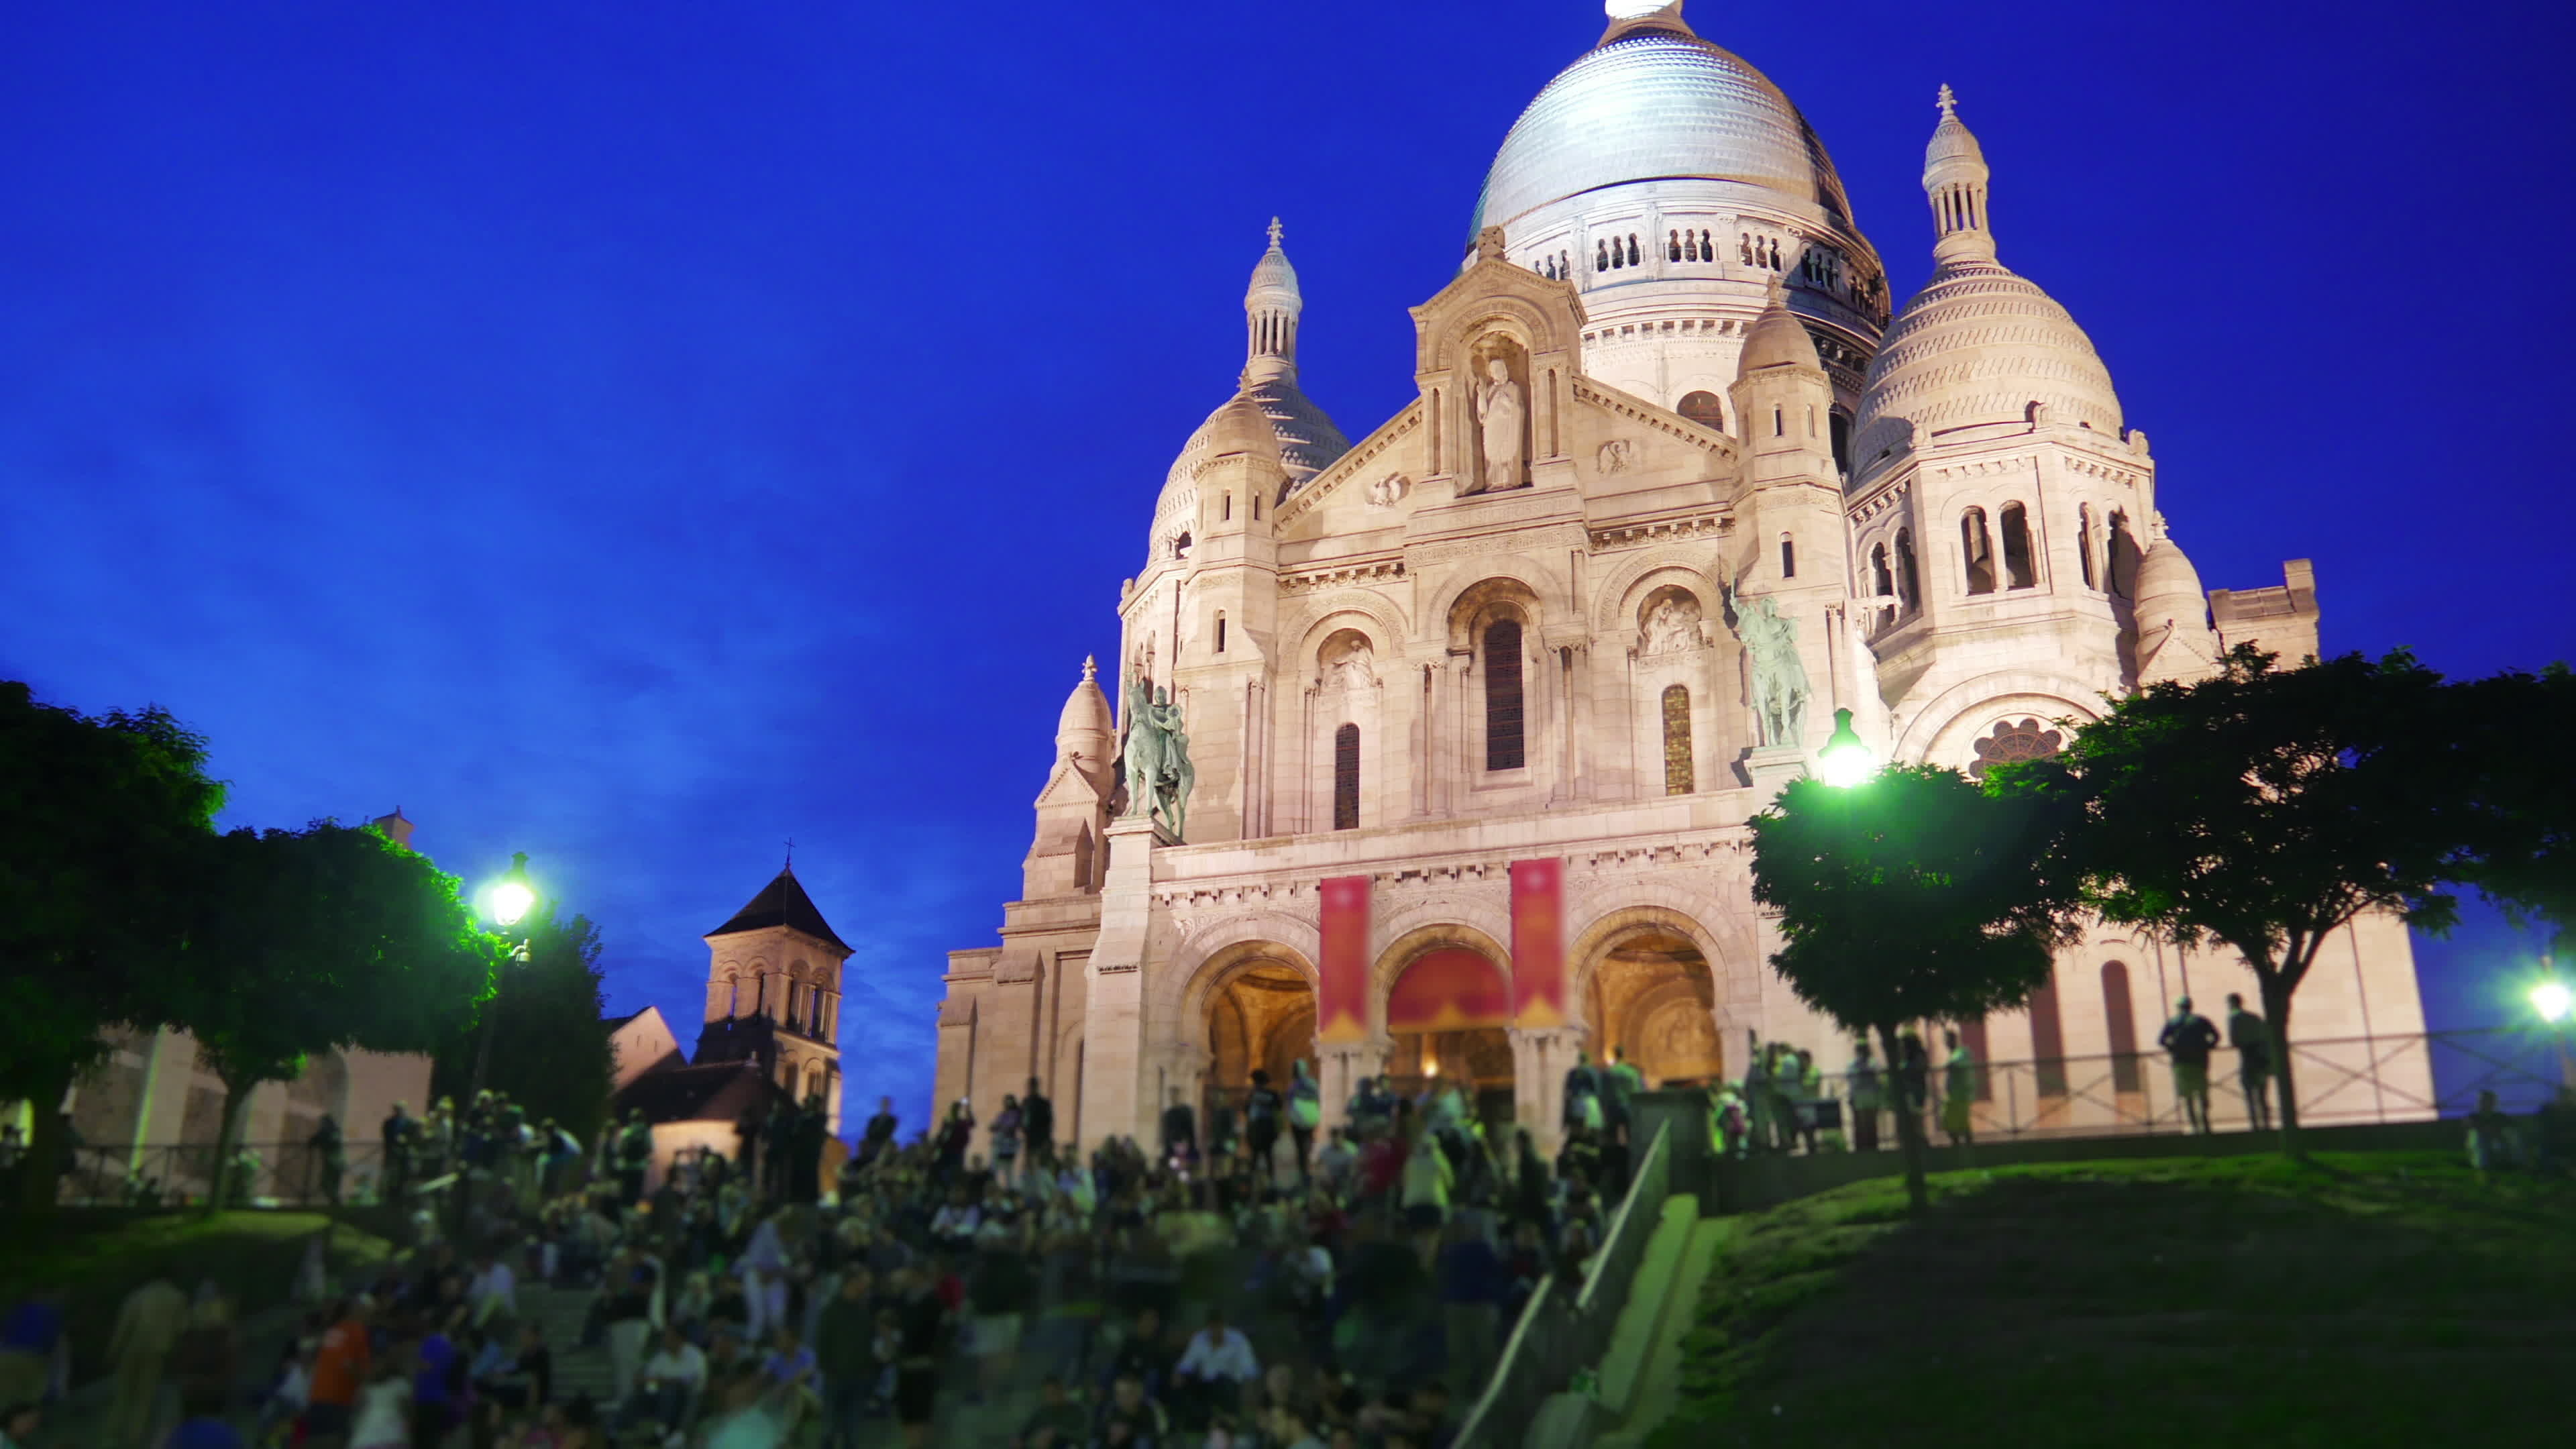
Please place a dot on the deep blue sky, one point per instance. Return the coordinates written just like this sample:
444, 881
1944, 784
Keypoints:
639, 434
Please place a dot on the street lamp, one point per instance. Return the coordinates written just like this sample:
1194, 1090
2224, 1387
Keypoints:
1844, 761
509, 900
2554, 1001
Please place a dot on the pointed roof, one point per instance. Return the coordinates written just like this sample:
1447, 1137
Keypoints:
782, 902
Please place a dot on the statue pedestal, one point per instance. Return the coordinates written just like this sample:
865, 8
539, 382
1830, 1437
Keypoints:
1113, 1061
1770, 768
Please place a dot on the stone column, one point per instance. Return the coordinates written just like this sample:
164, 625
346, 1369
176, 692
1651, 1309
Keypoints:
1114, 1058
1541, 1056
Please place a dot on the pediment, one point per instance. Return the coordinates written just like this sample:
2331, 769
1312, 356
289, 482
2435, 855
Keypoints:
1067, 786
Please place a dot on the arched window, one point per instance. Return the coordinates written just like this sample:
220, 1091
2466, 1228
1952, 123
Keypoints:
1704, 409
1707, 248
1633, 253
1672, 246
2047, 1042
1503, 738
1346, 777
2084, 543
1811, 420
1977, 551
813, 1080
1600, 256
1225, 505
1788, 557
1779, 423
1907, 586
1677, 741
1220, 631
795, 1003
2018, 573
2122, 1024
2120, 558
1882, 582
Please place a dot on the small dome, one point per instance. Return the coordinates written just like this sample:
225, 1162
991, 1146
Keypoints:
1655, 101
1301, 436
1086, 713
1777, 338
1979, 345
1272, 274
2168, 585
1952, 141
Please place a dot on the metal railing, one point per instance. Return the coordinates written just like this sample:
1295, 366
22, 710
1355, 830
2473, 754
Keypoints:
2339, 1081
1560, 1333
267, 1174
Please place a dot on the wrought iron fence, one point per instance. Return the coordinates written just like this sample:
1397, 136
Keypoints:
2338, 1081
1561, 1332
267, 1174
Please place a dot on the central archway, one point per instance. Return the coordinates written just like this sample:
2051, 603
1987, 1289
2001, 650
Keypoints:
1446, 1016
1652, 996
1262, 1017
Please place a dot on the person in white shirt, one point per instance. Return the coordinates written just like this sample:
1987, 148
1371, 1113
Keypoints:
673, 1378
494, 1291
1214, 1368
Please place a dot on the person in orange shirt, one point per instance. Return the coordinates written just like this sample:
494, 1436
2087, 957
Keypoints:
339, 1368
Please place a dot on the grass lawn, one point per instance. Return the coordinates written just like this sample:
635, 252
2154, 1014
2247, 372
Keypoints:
2368, 1299
94, 1260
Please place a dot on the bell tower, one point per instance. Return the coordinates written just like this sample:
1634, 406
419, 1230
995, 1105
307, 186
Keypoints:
774, 993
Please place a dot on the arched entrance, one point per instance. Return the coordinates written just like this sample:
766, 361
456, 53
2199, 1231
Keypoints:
1446, 1017
1653, 997
1262, 1016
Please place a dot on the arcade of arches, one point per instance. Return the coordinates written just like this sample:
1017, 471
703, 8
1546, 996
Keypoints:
1263, 1016
1653, 998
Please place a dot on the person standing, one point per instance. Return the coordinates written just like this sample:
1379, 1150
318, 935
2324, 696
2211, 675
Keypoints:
1582, 1093
634, 1158
1180, 1130
1861, 1087
1262, 1111
342, 1364
629, 1313
922, 1321
845, 1345
1005, 1134
880, 1131
1958, 1091
1305, 1114
1037, 1127
2189, 1039
2252, 1038
147, 1328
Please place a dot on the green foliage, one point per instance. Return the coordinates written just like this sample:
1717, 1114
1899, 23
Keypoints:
2510, 769
2263, 809
99, 819
1916, 896
548, 1051
302, 941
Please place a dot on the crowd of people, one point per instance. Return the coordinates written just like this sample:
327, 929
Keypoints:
1249, 1279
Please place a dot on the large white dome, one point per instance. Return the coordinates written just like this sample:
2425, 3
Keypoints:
1655, 101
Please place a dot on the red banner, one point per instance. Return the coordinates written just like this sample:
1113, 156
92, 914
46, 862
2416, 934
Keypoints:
1341, 1006
1452, 989
1538, 943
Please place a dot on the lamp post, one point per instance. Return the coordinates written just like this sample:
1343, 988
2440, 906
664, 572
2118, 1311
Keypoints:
1845, 761
2554, 1000
509, 901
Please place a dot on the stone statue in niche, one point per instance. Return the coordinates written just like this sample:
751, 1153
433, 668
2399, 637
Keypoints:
1389, 490
1502, 410
1779, 677
1353, 666
1154, 757
1616, 454
1672, 625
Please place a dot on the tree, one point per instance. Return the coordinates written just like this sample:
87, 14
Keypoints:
100, 817
1914, 896
2508, 766
2264, 809
309, 940
549, 1052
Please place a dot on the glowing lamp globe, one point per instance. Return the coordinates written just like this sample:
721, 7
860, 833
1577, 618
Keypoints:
2553, 1000
513, 898
1844, 761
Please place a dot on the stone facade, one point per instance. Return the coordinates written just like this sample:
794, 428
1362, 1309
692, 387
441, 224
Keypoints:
1675, 488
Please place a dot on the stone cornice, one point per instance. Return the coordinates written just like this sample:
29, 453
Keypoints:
1710, 524
1360, 572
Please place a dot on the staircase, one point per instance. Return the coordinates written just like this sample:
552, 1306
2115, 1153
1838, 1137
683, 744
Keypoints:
559, 1312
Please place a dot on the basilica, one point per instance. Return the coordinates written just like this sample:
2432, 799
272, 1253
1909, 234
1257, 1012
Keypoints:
1432, 751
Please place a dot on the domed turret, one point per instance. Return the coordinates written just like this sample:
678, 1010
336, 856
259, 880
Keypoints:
1978, 344
2172, 613
1085, 730
1302, 437
1777, 338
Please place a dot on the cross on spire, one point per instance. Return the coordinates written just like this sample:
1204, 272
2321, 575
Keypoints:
1949, 102
791, 852
1274, 233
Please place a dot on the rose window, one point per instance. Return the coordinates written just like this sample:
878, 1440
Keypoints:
2015, 740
